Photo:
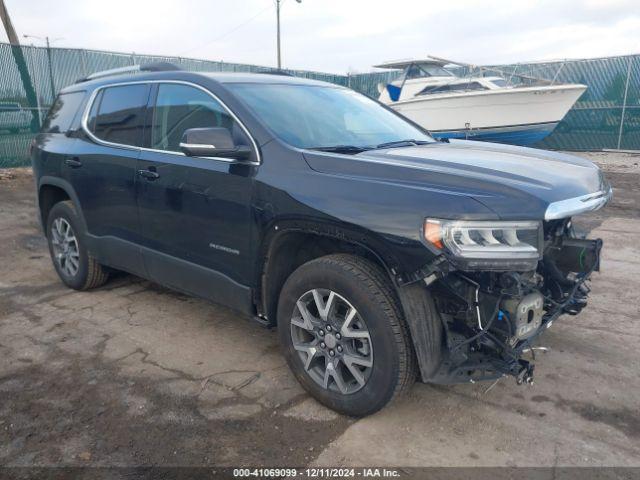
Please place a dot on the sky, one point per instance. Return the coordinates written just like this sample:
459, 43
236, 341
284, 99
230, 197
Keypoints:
338, 36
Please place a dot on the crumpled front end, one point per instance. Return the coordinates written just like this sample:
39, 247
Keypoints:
494, 306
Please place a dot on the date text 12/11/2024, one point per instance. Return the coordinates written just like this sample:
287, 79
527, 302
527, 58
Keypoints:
315, 473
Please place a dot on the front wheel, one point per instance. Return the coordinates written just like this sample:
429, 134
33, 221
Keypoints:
343, 334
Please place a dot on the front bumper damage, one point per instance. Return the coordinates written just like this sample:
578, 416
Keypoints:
492, 320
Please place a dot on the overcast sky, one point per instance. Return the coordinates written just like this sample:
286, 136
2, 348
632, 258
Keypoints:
338, 35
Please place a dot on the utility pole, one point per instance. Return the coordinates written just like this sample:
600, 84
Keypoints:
278, 30
50, 61
21, 63
8, 26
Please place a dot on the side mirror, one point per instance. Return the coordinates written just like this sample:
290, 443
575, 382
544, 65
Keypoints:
212, 142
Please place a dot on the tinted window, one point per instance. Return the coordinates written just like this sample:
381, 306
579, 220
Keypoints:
93, 113
120, 114
180, 107
316, 116
63, 112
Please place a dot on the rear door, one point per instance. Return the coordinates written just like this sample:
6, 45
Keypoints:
55, 143
195, 212
102, 171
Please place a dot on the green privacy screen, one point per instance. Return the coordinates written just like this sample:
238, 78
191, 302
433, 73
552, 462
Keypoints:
607, 115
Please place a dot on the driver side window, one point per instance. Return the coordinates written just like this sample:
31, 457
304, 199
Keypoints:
181, 107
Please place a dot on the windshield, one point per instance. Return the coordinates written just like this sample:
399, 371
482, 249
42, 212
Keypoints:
308, 116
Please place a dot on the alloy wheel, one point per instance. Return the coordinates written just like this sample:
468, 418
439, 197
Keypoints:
65, 247
332, 341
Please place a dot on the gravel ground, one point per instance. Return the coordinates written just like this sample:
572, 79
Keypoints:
134, 374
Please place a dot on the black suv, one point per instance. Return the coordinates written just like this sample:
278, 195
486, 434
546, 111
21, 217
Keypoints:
381, 254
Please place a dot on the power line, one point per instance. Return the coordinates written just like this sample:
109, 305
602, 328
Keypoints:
229, 32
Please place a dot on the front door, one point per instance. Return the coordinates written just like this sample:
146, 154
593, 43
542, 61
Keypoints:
194, 212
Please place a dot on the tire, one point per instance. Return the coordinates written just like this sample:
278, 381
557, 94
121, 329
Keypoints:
382, 335
88, 273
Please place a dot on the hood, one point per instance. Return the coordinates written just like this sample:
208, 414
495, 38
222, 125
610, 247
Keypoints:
514, 182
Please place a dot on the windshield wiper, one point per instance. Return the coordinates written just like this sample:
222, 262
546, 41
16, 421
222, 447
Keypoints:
341, 149
402, 143
352, 149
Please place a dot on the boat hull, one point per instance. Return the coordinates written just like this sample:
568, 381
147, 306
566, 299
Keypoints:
511, 134
519, 116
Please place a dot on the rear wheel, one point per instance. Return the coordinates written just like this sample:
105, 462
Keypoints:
343, 335
75, 266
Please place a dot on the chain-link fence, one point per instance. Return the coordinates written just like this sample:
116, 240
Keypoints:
49, 70
606, 116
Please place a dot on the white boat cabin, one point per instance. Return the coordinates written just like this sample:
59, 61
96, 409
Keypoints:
430, 77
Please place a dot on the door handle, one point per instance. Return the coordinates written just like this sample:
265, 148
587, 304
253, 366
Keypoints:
148, 174
73, 162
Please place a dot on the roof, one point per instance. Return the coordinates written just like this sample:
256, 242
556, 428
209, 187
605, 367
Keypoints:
394, 64
220, 77
243, 77
185, 75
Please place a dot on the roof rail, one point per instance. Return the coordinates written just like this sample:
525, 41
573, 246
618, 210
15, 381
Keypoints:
147, 67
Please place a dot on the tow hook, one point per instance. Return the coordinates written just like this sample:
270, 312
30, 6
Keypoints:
525, 375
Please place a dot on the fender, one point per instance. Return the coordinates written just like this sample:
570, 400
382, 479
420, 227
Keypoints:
66, 186
277, 229
349, 234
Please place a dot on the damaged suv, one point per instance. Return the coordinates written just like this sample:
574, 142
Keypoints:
381, 254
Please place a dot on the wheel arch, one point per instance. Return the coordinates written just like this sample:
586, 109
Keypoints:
52, 190
287, 245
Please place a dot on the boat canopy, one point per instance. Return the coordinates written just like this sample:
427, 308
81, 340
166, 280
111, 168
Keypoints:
419, 68
398, 64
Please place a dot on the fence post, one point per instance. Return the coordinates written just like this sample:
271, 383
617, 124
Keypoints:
32, 68
512, 74
53, 85
83, 62
624, 101
557, 73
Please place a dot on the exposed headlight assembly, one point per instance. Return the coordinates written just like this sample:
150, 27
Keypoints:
487, 245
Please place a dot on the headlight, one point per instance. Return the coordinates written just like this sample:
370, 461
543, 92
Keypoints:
490, 245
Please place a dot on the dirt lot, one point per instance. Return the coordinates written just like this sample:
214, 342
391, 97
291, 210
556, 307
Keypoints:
133, 374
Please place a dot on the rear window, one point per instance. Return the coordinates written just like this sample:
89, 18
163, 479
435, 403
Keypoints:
62, 112
117, 115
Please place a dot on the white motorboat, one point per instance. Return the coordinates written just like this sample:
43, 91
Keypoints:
476, 107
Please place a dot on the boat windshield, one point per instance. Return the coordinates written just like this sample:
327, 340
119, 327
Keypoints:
452, 88
316, 116
421, 70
